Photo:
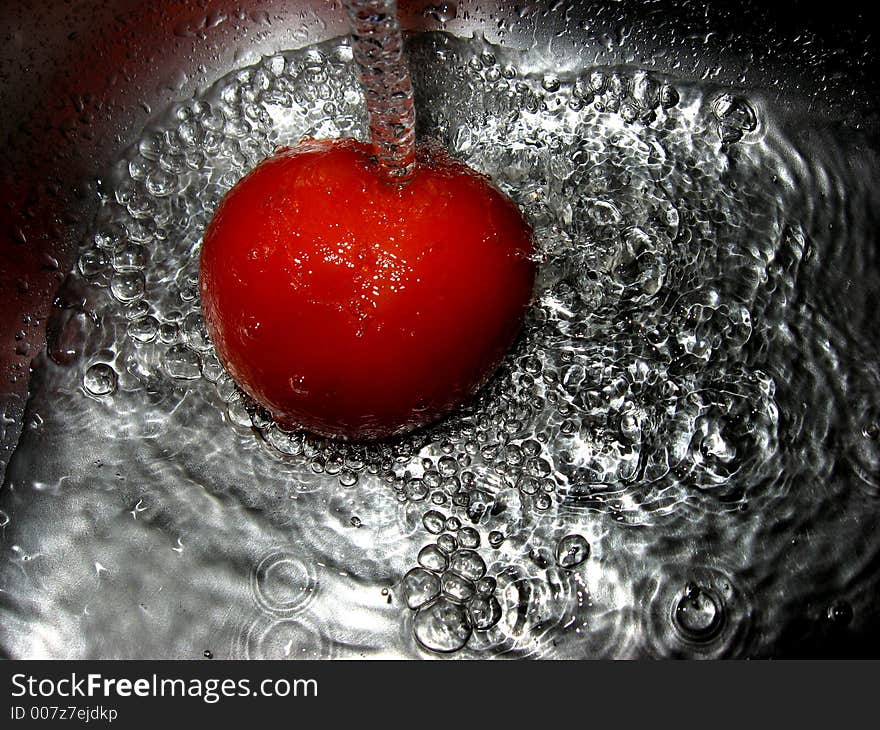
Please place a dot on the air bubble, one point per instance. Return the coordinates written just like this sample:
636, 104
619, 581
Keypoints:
468, 564
485, 612
195, 333
669, 97
571, 551
447, 466
127, 286
468, 537
735, 117
486, 586
839, 614
456, 587
433, 558
100, 379
415, 490
447, 543
699, 614
92, 262
652, 384
182, 363
550, 83
543, 502
496, 539
419, 587
442, 626
434, 522
143, 329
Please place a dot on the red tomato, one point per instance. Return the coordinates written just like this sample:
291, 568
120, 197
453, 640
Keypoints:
352, 307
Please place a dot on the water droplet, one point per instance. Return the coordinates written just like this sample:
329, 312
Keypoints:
442, 12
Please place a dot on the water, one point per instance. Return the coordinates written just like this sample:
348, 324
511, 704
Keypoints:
377, 46
679, 458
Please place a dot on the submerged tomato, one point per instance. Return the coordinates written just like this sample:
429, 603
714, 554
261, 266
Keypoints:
353, 307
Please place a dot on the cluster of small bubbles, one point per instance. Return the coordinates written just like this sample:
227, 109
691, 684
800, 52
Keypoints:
636, 97
449, 590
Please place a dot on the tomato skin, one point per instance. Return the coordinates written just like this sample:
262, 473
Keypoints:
356, 308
